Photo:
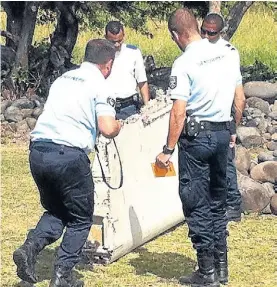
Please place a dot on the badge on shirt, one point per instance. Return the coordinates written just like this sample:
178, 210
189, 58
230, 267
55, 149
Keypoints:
111, 101
172, 82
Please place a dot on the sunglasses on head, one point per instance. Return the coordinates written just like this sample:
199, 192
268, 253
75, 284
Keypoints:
210, 33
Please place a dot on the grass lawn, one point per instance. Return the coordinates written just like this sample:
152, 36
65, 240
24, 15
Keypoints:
252, 243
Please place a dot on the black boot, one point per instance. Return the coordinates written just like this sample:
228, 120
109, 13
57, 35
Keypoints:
62, 277
205, 275
25, 259
221, 264
233, 214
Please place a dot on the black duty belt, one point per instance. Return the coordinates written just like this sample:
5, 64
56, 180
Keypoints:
214, 126
50, 146
126, 102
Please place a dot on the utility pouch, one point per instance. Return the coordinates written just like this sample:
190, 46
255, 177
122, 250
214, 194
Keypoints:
192, 127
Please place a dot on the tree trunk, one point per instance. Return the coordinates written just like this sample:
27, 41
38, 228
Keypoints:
65, 35
235, 16
27, 32
214, 6
14, 11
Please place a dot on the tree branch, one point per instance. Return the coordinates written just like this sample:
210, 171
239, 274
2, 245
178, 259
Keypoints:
10, 36
235, 16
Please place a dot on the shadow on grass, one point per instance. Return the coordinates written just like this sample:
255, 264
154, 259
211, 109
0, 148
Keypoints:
45, 267
165, 265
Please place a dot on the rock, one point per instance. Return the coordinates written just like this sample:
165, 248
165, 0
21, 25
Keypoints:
273, 204
249, 137
153, 91
242, 160
273, 115
270, 188
37, 112
38, 102
266, 156
31, 123
265, 172
22, 127
256, 113
274, 106
258, 103
262, 126
255, 196
251, 123
2, 118
272, 145
5, 104
275, 153
27, 113
252, 164
13, 114
23, 104
267, 136
262, 90
272, 129
274, 137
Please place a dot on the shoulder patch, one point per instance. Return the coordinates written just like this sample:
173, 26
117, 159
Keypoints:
172, 82
131, 47
111, 101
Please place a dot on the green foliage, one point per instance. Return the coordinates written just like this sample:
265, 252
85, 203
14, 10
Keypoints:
256, 36
133, 14
46, 16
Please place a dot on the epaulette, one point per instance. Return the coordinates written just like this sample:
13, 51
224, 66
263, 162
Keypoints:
231, 47
131, 47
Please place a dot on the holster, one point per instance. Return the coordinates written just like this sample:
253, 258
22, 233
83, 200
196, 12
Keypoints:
191, 127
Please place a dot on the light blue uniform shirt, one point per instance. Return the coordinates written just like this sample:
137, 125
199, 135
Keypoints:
205, 76
233, 53
70, 114
128, 70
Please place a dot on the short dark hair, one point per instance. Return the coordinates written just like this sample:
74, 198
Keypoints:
114, 27
99, 51
182, 20
216, 19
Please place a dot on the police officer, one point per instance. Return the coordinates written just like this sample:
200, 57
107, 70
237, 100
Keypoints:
202, 84
128, 71
78, 105
211, 29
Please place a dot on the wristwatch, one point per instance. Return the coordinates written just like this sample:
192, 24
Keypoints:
166, 150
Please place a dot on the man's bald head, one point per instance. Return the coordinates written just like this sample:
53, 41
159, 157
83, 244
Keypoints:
214, 18
183, 21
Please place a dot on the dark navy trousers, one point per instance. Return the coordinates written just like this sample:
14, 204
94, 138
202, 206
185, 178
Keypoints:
234, 196
64, 180
203, 187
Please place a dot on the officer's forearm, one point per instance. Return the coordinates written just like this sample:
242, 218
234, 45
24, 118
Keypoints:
144, 90
108, 126
176, 122
239, 102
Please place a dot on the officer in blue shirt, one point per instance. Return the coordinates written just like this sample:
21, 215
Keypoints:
78, 106
202, 84
211, 28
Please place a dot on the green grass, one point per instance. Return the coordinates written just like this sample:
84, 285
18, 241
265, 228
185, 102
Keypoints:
252, 243
255, 39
